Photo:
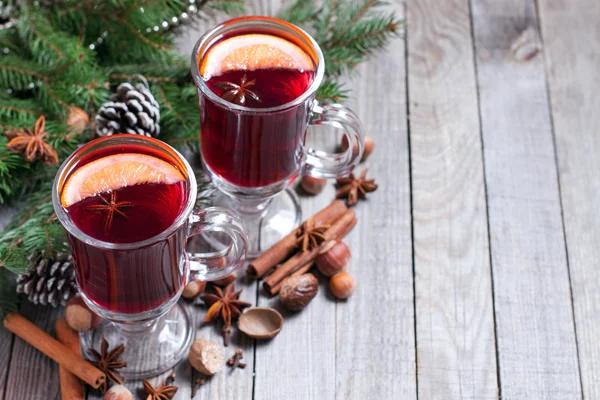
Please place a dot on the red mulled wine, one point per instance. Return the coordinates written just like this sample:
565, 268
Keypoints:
127, 195
255, 148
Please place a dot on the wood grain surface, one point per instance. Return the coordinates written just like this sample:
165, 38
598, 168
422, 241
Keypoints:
571, 37
535, 332
454, 311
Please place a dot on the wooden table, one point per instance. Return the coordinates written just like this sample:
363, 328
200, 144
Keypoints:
478, 257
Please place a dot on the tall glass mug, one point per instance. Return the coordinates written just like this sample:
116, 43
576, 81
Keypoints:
127, 204
257, 78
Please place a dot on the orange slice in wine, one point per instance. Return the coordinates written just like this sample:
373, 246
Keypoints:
254, 51
114, 172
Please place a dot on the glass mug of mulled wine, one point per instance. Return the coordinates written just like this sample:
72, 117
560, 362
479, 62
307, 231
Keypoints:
257, 78
127, 203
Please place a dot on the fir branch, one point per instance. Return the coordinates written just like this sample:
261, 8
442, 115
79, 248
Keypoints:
331, 92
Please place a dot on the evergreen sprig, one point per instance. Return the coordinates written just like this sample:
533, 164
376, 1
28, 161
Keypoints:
348, 32
71, 53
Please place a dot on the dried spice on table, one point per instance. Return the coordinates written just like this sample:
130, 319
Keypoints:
224, 305
354, 188
235, 361
163, 392
108, 362
310, 235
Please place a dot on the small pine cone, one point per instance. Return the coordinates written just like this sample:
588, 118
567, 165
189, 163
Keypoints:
130, 110
48, 281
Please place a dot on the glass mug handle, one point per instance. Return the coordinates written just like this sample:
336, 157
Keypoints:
210, 266
322, 164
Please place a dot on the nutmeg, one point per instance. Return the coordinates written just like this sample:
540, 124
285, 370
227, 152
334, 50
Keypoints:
312, 185
342, 285
297, 291
118, 392
225, 281
193, 289
206, 356
333, 258
79, 316
368, 145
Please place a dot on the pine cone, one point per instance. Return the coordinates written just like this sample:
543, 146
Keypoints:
130, 110
48, 282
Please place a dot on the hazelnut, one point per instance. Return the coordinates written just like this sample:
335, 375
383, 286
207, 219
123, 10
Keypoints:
333, 258
118, 392
297, 291
79, 316
226, 281
368, 144
342, 285
206, 356
312, 185
193, 289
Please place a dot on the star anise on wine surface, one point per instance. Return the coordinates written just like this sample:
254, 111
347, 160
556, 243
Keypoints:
163, 392
110, 207
224, 305
237, 93
310, 236
353, 188
108, 362
32, 143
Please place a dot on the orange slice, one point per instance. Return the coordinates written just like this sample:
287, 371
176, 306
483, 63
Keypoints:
114, 172
251, 52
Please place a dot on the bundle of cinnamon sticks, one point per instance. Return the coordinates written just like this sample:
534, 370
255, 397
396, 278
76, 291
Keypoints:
285, 258
65, 351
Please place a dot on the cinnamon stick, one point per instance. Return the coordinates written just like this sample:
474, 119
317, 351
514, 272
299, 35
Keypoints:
71, 388
302, 270
51, 347
286, 246
337, 231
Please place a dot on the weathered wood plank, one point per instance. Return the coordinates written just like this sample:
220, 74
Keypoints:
375, 343
32, 375
338, 349
572, 53
535, 332
455, 327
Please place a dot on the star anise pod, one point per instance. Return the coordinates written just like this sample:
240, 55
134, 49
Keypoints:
107, 362
163, 392
310, 236
237, 93
110, 207
224, 305
353, 188
32, 144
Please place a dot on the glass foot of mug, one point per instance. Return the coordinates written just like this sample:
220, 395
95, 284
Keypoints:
267, 221
151, 347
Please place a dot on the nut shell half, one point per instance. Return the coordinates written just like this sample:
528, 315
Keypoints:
261, 323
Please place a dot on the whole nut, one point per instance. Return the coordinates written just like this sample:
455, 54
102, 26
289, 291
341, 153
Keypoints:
79, 316
368, 144
342, 285
226, 281
118, 392
297, 291
312, 185
193, 289
206, 356
333, 258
